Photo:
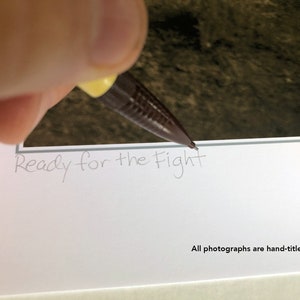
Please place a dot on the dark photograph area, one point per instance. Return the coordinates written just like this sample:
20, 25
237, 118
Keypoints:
226, 69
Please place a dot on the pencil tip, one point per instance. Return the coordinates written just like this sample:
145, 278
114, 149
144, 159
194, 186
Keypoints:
192, 145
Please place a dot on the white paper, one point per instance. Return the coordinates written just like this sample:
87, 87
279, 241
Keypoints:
110, 216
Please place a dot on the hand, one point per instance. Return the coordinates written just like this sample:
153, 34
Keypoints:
49, 46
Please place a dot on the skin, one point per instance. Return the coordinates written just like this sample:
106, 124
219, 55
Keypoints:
49, 46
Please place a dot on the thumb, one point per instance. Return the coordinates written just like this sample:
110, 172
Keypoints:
53, 42
49, 46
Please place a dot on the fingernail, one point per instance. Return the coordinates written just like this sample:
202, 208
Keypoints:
118, 29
